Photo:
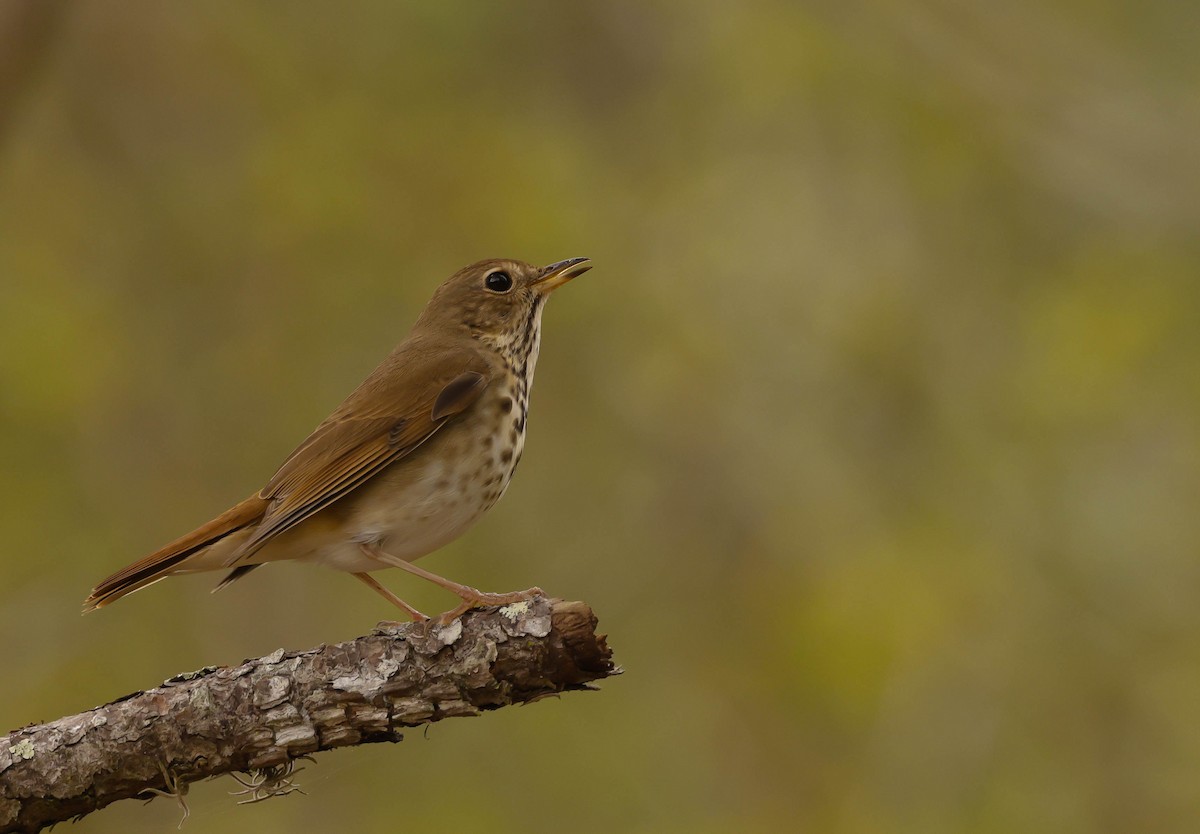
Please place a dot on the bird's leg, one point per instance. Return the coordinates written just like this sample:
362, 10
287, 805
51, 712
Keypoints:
371, 583
471, 597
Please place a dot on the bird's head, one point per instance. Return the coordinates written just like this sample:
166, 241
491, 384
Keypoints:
499, 301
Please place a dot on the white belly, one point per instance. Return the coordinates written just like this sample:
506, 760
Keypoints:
417, 520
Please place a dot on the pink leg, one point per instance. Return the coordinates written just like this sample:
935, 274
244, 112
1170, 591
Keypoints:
471, 597
370, 582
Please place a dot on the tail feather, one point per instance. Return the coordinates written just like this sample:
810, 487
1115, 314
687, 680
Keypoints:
162, 562
234, 575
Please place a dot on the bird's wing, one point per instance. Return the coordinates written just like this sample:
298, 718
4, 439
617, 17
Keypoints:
395, 410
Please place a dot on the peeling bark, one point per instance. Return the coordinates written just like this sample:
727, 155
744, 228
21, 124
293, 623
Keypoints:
265, 713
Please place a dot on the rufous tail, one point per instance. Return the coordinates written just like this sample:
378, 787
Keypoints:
163, 562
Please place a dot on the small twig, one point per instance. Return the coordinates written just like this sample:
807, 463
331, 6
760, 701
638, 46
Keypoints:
175, 789
268, 782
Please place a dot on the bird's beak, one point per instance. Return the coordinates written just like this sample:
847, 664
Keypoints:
555, 275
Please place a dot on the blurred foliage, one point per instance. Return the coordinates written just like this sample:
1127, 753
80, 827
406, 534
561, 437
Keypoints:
873, 437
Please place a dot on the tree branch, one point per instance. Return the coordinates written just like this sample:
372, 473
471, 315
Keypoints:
267, 712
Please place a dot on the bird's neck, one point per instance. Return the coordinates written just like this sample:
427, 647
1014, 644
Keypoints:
519, 353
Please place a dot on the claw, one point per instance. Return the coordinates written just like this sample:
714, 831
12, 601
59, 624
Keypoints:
474, 598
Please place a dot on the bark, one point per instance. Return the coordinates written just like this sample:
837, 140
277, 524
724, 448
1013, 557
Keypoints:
262, 715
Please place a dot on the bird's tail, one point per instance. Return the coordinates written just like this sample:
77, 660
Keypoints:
168, 560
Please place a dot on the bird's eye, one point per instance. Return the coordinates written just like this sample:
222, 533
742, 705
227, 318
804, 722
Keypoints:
498, 281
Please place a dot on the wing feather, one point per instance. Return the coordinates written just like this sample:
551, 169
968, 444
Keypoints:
401, 405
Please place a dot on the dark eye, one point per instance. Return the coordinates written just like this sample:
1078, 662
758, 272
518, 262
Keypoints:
498, 281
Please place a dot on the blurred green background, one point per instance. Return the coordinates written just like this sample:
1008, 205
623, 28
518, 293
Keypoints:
873, 437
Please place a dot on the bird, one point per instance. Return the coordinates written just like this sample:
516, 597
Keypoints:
410, 460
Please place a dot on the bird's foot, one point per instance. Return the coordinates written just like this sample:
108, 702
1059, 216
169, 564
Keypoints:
417, 616
389, 625
474, 598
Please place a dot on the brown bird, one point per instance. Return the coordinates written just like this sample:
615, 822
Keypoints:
407, 463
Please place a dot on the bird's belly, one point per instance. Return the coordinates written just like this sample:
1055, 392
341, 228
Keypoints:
412, 508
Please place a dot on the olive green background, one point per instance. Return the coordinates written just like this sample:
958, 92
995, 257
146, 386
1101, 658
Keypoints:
873, 437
